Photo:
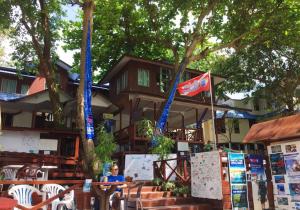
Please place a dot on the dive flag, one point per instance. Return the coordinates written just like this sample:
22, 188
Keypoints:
88, 80
194, 86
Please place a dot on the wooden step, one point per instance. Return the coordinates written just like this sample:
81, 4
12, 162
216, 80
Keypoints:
181, 207
166, 201
144, 189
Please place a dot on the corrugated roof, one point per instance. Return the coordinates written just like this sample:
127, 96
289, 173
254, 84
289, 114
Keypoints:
10, 96
274, 130
236, 114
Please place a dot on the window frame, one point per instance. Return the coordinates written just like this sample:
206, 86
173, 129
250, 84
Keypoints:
143, 77
4, 87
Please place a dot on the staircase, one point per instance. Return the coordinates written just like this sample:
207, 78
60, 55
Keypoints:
152, 199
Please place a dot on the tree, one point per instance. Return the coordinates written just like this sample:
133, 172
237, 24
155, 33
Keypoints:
34, 26
271, 67
188, 31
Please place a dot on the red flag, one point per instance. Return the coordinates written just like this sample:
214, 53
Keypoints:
194, 86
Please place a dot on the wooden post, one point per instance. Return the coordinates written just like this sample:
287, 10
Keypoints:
120, 119
130, 111
154, 112
0, 119
76, 155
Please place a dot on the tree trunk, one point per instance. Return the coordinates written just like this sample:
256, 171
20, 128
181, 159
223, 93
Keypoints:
53, 91
88, 145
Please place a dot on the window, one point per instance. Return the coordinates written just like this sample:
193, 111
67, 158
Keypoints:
220, 125
164, 79
122, 82
24, 89
8, 86
256, 105
236, 126
143, 77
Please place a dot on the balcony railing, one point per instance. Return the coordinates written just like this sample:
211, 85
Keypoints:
192, 135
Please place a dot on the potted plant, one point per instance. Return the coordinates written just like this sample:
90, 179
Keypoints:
184, 190
168, 186
176, 191
156, 181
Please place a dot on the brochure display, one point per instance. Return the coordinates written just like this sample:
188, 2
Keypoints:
285, 168
238, 184
206, 180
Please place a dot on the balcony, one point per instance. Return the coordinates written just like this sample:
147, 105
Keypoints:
131, 134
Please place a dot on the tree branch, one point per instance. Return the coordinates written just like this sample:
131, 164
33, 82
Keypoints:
76, 2
46, 29
36, 44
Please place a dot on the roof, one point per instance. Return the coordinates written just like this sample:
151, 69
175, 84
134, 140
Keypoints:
274, 130
126, 58
10, 96
236, 114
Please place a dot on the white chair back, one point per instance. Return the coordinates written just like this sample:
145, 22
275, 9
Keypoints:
23, 194
54, 189
9, 173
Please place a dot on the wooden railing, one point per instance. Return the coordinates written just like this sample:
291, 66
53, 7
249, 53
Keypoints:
194, 135
165, 169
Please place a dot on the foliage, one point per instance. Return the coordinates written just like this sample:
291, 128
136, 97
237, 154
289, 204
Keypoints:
156, 181
176, 191
171, 30
163, 147
106, 145
145, 128
166, 186
270, 67
184, 190
208, 147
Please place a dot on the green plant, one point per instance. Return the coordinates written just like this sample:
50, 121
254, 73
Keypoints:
145, 128
156, 181
176, 191
166, 186
163, 147
106, 146
184, 190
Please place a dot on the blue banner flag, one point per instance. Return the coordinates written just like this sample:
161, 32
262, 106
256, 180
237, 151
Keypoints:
88, 80
160, 126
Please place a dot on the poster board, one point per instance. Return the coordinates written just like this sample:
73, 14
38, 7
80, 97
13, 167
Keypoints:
206, 180
140, 166
285, 169
238, 182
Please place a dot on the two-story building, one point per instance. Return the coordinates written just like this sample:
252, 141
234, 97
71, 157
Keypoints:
26, 130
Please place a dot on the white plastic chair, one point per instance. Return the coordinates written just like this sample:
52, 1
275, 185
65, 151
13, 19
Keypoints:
9, 173
54, 189
23, 194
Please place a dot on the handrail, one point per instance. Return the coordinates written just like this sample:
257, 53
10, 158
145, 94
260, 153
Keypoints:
181, 166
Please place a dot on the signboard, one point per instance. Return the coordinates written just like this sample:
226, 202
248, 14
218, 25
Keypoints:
238, 182
108, 116
140, 167
206, 180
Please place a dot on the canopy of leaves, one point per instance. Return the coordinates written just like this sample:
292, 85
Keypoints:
270, 67
24, 21
167, 29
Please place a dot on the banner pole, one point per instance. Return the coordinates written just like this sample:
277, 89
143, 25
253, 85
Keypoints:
212, 113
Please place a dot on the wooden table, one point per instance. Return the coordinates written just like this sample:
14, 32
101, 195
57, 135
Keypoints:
7, 203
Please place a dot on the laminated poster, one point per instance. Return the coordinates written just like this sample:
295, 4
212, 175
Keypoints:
277, 163
257, 167
239, 196
292, 164
237, 168
206, 181
295, 191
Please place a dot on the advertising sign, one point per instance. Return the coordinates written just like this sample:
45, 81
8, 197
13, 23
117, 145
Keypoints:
239, 196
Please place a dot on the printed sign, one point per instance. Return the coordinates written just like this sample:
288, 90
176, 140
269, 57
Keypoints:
277, 164
239, 196
257, 167
206, 181
237, 168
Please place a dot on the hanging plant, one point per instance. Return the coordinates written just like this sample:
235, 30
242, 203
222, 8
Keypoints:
145, 128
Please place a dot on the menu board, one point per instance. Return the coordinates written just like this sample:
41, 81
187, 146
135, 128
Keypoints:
206, 180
